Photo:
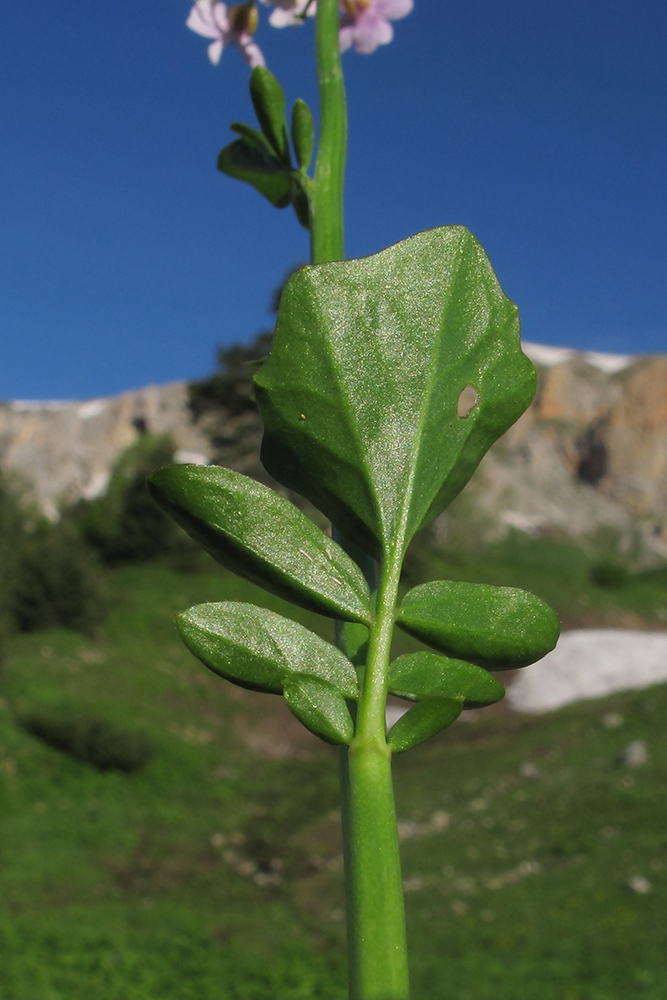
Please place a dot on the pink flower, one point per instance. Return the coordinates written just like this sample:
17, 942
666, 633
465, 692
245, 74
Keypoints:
288, 13
233, 26
365, 23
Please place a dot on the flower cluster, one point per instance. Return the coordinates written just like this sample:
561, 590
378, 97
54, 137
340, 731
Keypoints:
290, 13
227, 26
364, 24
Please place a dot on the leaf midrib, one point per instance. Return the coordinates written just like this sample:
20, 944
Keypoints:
401, 531
341, 382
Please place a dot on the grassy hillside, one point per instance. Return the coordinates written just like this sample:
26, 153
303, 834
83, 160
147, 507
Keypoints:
214, 872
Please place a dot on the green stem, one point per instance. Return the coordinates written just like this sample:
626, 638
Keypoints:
371, 724
377, 953
326, 205
376, 921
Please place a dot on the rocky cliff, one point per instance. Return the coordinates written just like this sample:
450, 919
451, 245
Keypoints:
64, 450
590, 453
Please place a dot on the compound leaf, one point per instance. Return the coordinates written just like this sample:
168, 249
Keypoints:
495, 627
427, 675
303, 133
253, 139
264, 538
258, 166
388, 380
258, 649
320, 707
424, 720
268, 101
300, 202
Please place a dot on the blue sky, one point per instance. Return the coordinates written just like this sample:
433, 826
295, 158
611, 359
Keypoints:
126, 258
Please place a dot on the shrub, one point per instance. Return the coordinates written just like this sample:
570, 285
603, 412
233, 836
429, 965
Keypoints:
92, 741
48, 575
608, 573
126, 525
228, 393
58, 583
12, 534
225, 402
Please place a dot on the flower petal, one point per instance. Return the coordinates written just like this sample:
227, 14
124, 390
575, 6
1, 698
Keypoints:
200, 20
393, 9
251, 51
219, 11
311, 9
345, 37
288, 13
370, 31
280, 18
215, 51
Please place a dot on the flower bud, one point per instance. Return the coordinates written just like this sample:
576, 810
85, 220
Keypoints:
243, 17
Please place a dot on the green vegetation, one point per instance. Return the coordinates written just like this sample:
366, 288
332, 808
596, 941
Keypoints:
49, 576
214, 872
93, 741
609, 573
124, 524
228, 393
52, 574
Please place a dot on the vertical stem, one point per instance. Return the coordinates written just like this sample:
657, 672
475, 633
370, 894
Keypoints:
326, 228
377, 953
376, 921
377, 956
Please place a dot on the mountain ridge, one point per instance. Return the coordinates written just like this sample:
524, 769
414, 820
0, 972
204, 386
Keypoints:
590, 453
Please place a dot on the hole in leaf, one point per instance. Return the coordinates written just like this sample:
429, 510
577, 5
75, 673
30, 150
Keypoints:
468, 400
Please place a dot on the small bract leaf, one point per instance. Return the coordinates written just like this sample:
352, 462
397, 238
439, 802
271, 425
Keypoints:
261, 650
427, 675
260, 535
266, 173
496, 627
300, 202
320, 707
360, 394
353, 640
303, 133
268, 101
254, 139
424, 720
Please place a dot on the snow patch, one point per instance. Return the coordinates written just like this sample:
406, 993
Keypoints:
190, 458
92, 408
591, 663
549, 357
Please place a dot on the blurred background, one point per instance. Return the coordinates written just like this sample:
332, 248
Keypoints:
126, 258
164, 834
